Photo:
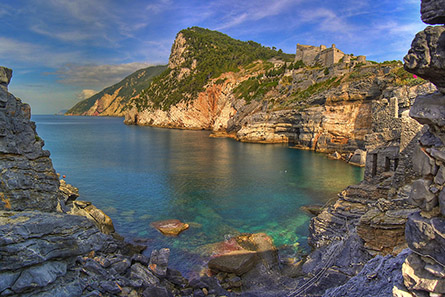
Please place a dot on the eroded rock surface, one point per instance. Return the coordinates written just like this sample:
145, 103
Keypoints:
433, 11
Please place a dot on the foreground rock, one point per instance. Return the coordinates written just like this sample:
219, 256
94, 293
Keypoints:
170, 227
28, 180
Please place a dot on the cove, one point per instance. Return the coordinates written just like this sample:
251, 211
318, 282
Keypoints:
219, 186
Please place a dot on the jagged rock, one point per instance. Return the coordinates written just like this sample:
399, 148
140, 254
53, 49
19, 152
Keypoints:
5, 77
28, 180
442, 202
170, 227
430, 109
358, 158
423, 164
426, 236
69, 192
159, 261
426, 58
39, 276
421, 196
94, 214
440, 176
433, 11
377, 278
418, 275
139, 272
238, 262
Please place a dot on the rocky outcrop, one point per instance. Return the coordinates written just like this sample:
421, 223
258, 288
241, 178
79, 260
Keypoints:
27, 178
170, 227
423, 271
433, 11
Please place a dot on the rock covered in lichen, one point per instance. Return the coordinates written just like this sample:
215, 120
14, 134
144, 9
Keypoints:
433, 11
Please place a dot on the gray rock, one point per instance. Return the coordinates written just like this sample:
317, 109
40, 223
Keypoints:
139, 272
442, 202
440, 176
426, 236
156, 291
110, 287
423, 164
159, 261
235, 262
121, 266
39, 276
426, 58
358, 158
31, 238
5, 76
430, 109
421, 196
7, 279
377, 278
417, 277
433, 11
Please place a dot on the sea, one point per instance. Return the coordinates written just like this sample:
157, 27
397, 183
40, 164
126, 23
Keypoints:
220, 187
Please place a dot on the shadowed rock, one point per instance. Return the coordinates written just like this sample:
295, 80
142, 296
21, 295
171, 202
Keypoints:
433, 11
5, 77
426, 58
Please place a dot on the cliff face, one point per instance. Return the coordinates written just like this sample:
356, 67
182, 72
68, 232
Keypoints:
112, 100
27, 178
273, 101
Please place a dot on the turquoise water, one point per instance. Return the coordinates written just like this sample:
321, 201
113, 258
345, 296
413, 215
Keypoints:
138, 175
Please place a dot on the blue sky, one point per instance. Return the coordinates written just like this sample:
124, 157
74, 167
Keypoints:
62, 51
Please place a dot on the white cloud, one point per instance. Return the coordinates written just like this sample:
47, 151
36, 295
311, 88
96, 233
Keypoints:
86, 93
95, 76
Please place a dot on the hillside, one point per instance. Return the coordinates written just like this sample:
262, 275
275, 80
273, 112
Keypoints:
111, 101
257, 94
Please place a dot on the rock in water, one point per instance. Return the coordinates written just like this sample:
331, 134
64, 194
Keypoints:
97, 216
170, 227
433, 11
28, 180
426, 58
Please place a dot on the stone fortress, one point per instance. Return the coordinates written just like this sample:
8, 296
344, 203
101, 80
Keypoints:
325, 57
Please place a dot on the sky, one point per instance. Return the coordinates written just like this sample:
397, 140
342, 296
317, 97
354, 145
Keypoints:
62, 51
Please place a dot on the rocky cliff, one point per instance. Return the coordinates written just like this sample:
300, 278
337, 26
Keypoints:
274, 100
112, 101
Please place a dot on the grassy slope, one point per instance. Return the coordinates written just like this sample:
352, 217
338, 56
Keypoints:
132, 85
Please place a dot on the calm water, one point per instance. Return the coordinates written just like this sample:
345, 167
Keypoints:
221, 187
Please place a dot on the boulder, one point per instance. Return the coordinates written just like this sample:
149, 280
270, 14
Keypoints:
423, 164
358, 158
5, 76
170, 227
433, 11
421, 196
426, 58
238, 262
159, 261
426, 236
94, 214
420, 276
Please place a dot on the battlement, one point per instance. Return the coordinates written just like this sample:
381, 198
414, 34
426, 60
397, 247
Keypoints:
326, 57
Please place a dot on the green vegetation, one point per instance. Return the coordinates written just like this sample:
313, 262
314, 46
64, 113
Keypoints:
255, 89
131, 86
315, 89
208, 54
402, 77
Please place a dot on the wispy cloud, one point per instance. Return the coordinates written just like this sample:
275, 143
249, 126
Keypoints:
95, 76
250, 11
86, 93
159, 6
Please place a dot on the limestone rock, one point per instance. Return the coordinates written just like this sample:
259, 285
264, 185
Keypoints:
170, 227
139, 272
28, 180
418, 275
421, 196
423, 164
430, 109
69, 192
377, 278
433, 11
97, 216
426, 58
159, 261
358, 158
427, 236
5, 77
238, 262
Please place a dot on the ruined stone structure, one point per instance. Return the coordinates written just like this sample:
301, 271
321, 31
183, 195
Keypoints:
325, 57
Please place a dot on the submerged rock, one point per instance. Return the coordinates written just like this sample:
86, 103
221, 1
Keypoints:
170, 227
